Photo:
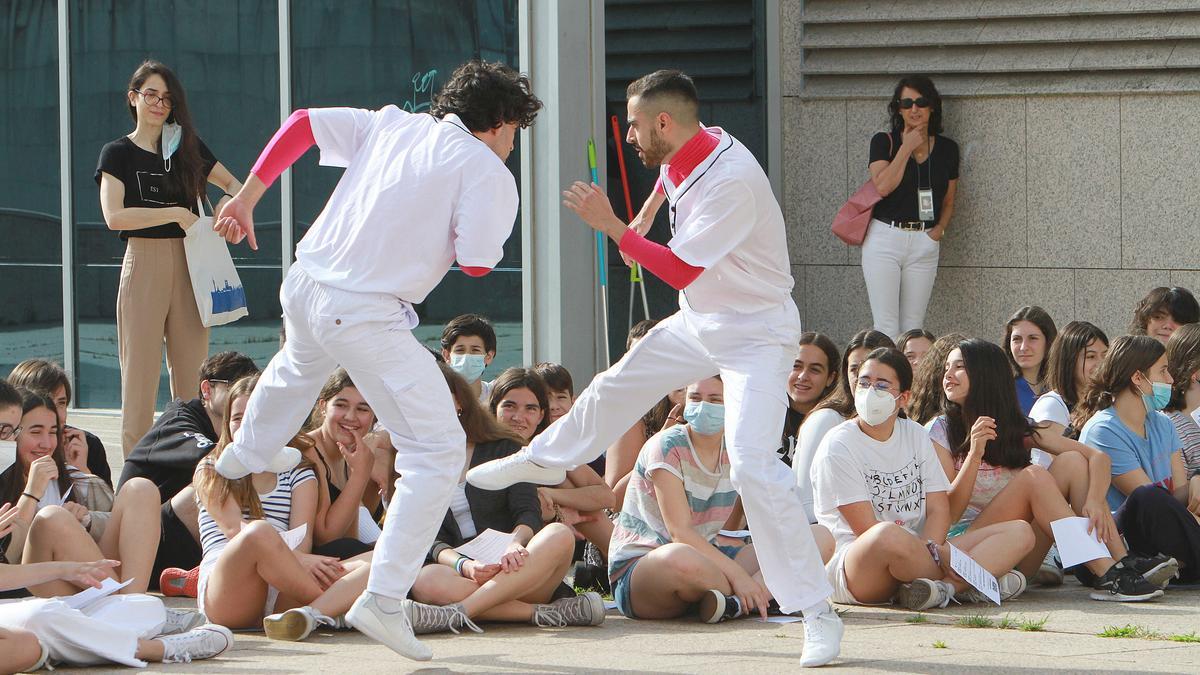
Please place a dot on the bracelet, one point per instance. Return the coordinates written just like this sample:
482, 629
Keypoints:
227, 195
35, 499
458, 564
933, 551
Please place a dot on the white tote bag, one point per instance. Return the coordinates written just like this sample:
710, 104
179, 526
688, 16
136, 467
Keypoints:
219, 293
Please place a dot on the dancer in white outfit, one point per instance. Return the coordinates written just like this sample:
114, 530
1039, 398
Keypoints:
419, 192
728, 257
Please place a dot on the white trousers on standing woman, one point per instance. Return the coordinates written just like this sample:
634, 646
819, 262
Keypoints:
899, 267
753, 353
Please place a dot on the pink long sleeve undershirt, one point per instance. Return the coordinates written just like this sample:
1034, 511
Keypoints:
659, 259
290, 143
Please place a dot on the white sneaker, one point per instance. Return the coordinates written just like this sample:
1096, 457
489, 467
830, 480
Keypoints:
295, 624
229, 466
181, 621
1012, 585
922, 594
822, 639
389, 626
204, 642
515, 468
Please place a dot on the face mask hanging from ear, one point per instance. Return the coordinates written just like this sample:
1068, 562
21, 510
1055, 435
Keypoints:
172, 134
1158, 398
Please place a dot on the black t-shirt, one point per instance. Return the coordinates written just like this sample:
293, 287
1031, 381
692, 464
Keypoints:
168, 454
144, 175
791, 433
938, 170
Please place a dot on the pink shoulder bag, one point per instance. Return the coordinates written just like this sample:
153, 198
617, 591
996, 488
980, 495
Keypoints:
852, 220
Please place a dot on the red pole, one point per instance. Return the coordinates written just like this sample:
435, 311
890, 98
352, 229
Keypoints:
616, 127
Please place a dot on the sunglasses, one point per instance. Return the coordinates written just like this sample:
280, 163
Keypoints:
922, 102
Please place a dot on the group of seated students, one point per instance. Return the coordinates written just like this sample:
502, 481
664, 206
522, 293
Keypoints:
901, 450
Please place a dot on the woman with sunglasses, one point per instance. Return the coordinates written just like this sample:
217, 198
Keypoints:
915, 169
149, 182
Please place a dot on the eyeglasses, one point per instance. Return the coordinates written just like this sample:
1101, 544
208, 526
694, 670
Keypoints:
8, 432
905, 103
154, 99
213, 380
866, 383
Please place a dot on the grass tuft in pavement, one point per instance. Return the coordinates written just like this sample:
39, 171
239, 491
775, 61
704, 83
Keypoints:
1023, 624
938, 644
1187, 637
976, 621
1128, 631
917, 618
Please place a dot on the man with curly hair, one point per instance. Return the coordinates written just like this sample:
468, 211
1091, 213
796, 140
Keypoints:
420, 191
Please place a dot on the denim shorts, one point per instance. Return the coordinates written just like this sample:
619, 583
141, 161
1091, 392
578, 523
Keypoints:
621, 587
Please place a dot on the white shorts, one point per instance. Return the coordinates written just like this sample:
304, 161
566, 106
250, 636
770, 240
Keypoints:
835, 571
206, 568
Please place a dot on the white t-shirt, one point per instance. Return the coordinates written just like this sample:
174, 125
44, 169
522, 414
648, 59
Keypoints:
725, 219
812, 431
893, 476
461, 509
1049, 407
418, 193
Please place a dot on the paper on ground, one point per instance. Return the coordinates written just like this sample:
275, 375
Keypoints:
295, 536
90, 595
779, 619
735, 534
488, 547
610, 604
1075, 545
974, 574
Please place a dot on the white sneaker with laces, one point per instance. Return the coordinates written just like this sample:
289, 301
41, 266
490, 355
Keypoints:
1012, 585
181, 621
295, 624
386, 621
229, 466
515, 468
921, 594
199, 643
822, 639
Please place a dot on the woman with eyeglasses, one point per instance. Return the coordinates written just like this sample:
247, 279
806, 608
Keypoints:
915, 169
150, 181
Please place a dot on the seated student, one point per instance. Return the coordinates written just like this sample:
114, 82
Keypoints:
621, 455
520, 401
83, 450
882, 492
1074, 356
813, 378
39, 481
1183, 362
666, 558
469, 346
1164, 310
167, 455
984, 444
834, 409
344, 461
559, 387
453, 591
914, 343
928, 399
1156, 504
248, 572
1028, 336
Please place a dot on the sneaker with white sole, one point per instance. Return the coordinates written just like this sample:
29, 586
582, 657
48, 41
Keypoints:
386, 621
1012, 585
715, 607
822, 639
296, 624
586, 609
518, 467
203, 642
231, 467
922, 594
1157, 569
181, 621
427, 619
1124, 584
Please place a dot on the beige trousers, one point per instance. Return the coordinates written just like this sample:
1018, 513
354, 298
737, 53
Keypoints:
155, 304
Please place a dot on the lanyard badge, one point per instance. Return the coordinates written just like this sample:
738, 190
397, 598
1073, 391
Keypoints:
925, 195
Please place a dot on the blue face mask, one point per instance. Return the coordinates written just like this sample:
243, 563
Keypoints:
172, 134
705, 418
470, 366
1159, 397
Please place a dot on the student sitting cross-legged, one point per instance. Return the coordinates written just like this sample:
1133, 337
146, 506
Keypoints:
880, 488
454, 591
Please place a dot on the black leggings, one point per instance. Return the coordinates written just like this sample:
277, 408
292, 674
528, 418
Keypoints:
1154, 521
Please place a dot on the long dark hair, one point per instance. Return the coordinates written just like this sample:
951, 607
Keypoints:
832, 357
928, 399
1061, 358
893, 358
186, 176
516, 378
1040, 318
991, 393
12, 481
842, 399
479, 425
1128, 354
925, 87
1183, 360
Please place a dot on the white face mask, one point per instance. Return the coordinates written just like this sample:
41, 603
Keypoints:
874, 406
172, 134
8, 454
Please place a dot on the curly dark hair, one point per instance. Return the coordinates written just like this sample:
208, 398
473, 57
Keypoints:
924, 85
486, 94
1176, 301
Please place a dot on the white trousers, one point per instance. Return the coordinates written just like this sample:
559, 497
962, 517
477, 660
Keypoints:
899, 268
369, 335
753, 354
105, 631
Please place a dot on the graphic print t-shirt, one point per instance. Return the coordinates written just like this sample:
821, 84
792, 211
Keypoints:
893, 476
147, 185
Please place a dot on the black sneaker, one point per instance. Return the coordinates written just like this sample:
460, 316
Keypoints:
592, 577
1124, 584
716, 607
1158, 569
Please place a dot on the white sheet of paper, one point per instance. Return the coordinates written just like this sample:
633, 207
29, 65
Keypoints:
89, 595
610, 604
974, 574
295, 536
779, 619
488, 547
60, 501
735, 534
1075, 545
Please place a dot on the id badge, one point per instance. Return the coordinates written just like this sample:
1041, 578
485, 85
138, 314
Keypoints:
925, 205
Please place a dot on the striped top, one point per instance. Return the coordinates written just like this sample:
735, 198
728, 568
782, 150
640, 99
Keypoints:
276, 506
1189, 433
640, 527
